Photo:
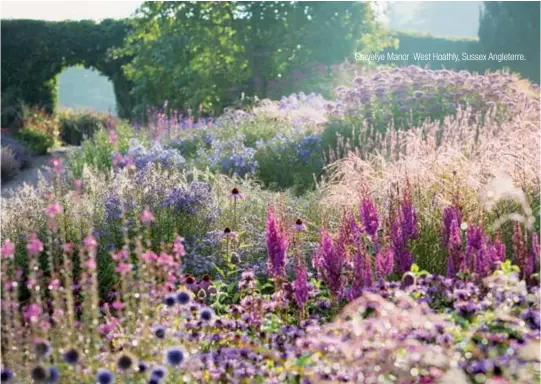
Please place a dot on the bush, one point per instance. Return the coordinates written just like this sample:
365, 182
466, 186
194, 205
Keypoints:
77, 126
97, 151
40, 130
10, 166
19, 151
37, 142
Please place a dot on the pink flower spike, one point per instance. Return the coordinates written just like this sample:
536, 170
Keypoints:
34, 246
91, 264
178, 247
31, 312
147, 217
118, 305
8, 249
124, 268
149, 256
68, 247
77, 184
54, 284
90, 242
53, 210
113, 137
121, 255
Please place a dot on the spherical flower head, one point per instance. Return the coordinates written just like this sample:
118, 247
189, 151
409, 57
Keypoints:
124, 362
34, 246
54, 209
42, 348
183, 297
174, 356
169, 300
206, 314
236, 195
54, 375
147, 217
142, 367
6, 375
39, 374
71, 356
158, 372
299, 226
90, 242
104, 376
8, 249
159, 332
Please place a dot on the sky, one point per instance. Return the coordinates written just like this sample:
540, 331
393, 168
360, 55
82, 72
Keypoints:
67, 10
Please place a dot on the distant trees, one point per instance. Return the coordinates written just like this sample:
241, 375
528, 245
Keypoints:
210, 52
512, 27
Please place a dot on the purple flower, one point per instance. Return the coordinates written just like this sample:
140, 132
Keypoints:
331, 260
276, 247
369, 217
301, 286
449, 214
384, 263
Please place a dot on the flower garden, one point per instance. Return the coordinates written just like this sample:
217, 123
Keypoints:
389, 235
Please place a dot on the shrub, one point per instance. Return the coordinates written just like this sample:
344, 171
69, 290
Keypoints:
77, 126
19, 151
10, 166
40, 131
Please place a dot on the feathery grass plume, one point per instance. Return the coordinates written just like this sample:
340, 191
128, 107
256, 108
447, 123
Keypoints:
277, 244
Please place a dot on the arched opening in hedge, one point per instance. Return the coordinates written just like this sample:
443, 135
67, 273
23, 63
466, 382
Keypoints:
35, 52
82, 88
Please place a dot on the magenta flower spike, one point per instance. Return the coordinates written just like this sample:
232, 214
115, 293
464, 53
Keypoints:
277, 245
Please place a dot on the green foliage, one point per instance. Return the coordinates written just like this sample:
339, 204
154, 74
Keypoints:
36, 141
39, 132
192, 53
96, 152
52, 47
512, 27
76, 125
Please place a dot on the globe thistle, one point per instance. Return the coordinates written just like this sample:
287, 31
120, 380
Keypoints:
183, 297
6, 375
174, 356
104, 376
39, 374
206, 314
169, 300
71, 356
142, 367
159, 332
42, 348
54, 375
124, 362
158, 372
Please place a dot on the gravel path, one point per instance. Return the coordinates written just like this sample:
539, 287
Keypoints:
30, 174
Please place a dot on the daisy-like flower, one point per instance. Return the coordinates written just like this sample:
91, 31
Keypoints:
299, 226
229, 234
236, 195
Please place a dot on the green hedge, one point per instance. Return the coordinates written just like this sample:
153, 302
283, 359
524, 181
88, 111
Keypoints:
35, 52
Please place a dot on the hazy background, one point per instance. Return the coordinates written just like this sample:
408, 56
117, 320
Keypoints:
88, 89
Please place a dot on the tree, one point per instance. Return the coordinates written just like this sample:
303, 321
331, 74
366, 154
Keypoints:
512, 27
210, 52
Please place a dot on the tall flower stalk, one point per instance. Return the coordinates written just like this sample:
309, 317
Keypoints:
277, 245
